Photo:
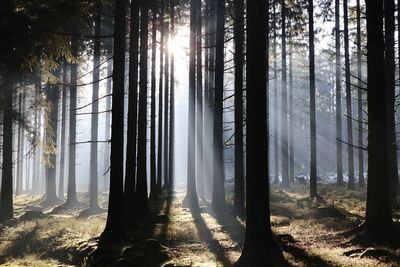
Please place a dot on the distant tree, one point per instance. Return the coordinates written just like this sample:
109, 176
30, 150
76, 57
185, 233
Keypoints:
166, 95
275, 103
259, 243
114, 229
63, 130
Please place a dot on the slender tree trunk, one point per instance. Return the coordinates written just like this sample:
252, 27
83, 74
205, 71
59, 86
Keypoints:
94, 179
199, 104
153, 177
238, 201
166, 98
130, 173
141, 186
71, 197
107, 125
63, 131
339, 153
160, 100
114, 229
313, 130
259, 243
171, 149
348, 98
390, 66
360, 100
6, 196
378, 216
218, 195
276, 117
284, 121
291, 113
18, 179
191, 194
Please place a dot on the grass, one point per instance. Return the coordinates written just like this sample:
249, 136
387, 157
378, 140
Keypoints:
309, 232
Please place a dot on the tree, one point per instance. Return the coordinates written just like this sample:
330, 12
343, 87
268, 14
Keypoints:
141, 185
63, 131
378, 216
259, 243
191, 199
114, 229
238, 202
313, 129
166, 98
338, 97
275, 104
218, 194
349, 120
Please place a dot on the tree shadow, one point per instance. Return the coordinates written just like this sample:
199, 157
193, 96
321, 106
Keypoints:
206, 236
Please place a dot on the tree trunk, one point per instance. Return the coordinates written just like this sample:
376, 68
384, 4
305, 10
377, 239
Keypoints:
166, 98
18, 182
378, 215
72, 199
160, 100
114, 229
291, 113
259, 243
141, 186
284, 121
360, 100
348, 98
153, 177
339, 153
218, 195
107, 125
313, 130
191, 194
94, 179
276, 116
171, 149
238, 31
63, 132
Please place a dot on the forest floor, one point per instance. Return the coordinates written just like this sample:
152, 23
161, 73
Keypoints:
311, 233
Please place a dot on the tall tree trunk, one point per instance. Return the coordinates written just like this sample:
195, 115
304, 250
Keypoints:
153, 177
360, 100
166, 98
259, 243
284, 121
130, 173
18, 179
378, 215
313, 130
238, 31
63, 131
141, 186
291, 113
71, 197
348, 98
276, 117
218, 195
160, 100
199, 104
94, 179
191, 193
107, 125
171, 149
114, 229
339, 153
6, 196
390, 66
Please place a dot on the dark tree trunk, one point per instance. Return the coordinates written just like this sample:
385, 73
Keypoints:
238, 201
172, 105
199, 104
191, 193
130, 174
339, 153
166, 98
360, 100
276, 117
63, 132
94, 179
141, 186
160, 100
71, 197
114, 229
348, 98
218, 195
6, 196
259, 243
291, 113
313, 130
284, 122
18, 178
390, 66
153, 177
378, 216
